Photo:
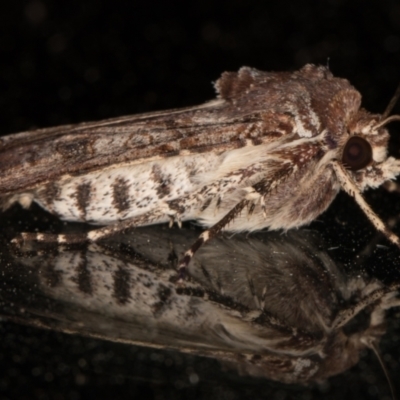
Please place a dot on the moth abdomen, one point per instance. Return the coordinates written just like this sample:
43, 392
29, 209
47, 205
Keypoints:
127, 191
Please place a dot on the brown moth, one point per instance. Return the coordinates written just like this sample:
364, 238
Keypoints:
272, 151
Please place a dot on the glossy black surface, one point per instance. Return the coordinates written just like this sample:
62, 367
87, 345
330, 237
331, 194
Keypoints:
51, 290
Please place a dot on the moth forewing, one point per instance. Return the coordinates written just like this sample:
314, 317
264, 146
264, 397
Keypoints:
271, 152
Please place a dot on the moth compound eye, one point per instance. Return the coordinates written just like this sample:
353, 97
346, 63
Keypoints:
357, 153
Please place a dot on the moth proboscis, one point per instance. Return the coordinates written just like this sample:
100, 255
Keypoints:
272, 151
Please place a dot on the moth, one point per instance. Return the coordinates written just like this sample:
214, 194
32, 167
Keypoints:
289, 312
272, 151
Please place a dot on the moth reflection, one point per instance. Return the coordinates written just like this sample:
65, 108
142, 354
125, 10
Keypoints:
271, 306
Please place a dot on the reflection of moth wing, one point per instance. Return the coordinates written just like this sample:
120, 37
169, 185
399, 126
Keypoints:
279, 315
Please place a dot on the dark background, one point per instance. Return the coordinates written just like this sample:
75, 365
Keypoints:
80, 60
63, 62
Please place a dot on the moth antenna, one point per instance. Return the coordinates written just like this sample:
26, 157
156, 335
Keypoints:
391, 104
387, 121
373, 345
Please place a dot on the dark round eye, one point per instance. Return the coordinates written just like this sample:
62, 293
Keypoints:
357, 153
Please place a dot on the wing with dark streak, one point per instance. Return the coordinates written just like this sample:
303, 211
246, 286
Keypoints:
253, 108
31, 158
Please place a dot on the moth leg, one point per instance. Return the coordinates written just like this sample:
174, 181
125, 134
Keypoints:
350, 188
173, 219
93, 235
254, 194
69, 238
24, 200
208, 235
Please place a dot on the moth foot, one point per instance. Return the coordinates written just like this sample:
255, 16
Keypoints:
180, 278
173, 219
24, 200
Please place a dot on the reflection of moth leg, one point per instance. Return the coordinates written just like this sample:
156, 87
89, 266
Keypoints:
384, 297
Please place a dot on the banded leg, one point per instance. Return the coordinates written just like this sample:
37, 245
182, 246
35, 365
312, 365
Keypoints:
208, 235
351, 189
255, 193
93, 235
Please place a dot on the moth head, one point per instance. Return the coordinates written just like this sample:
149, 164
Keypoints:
368, 139
366, 143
